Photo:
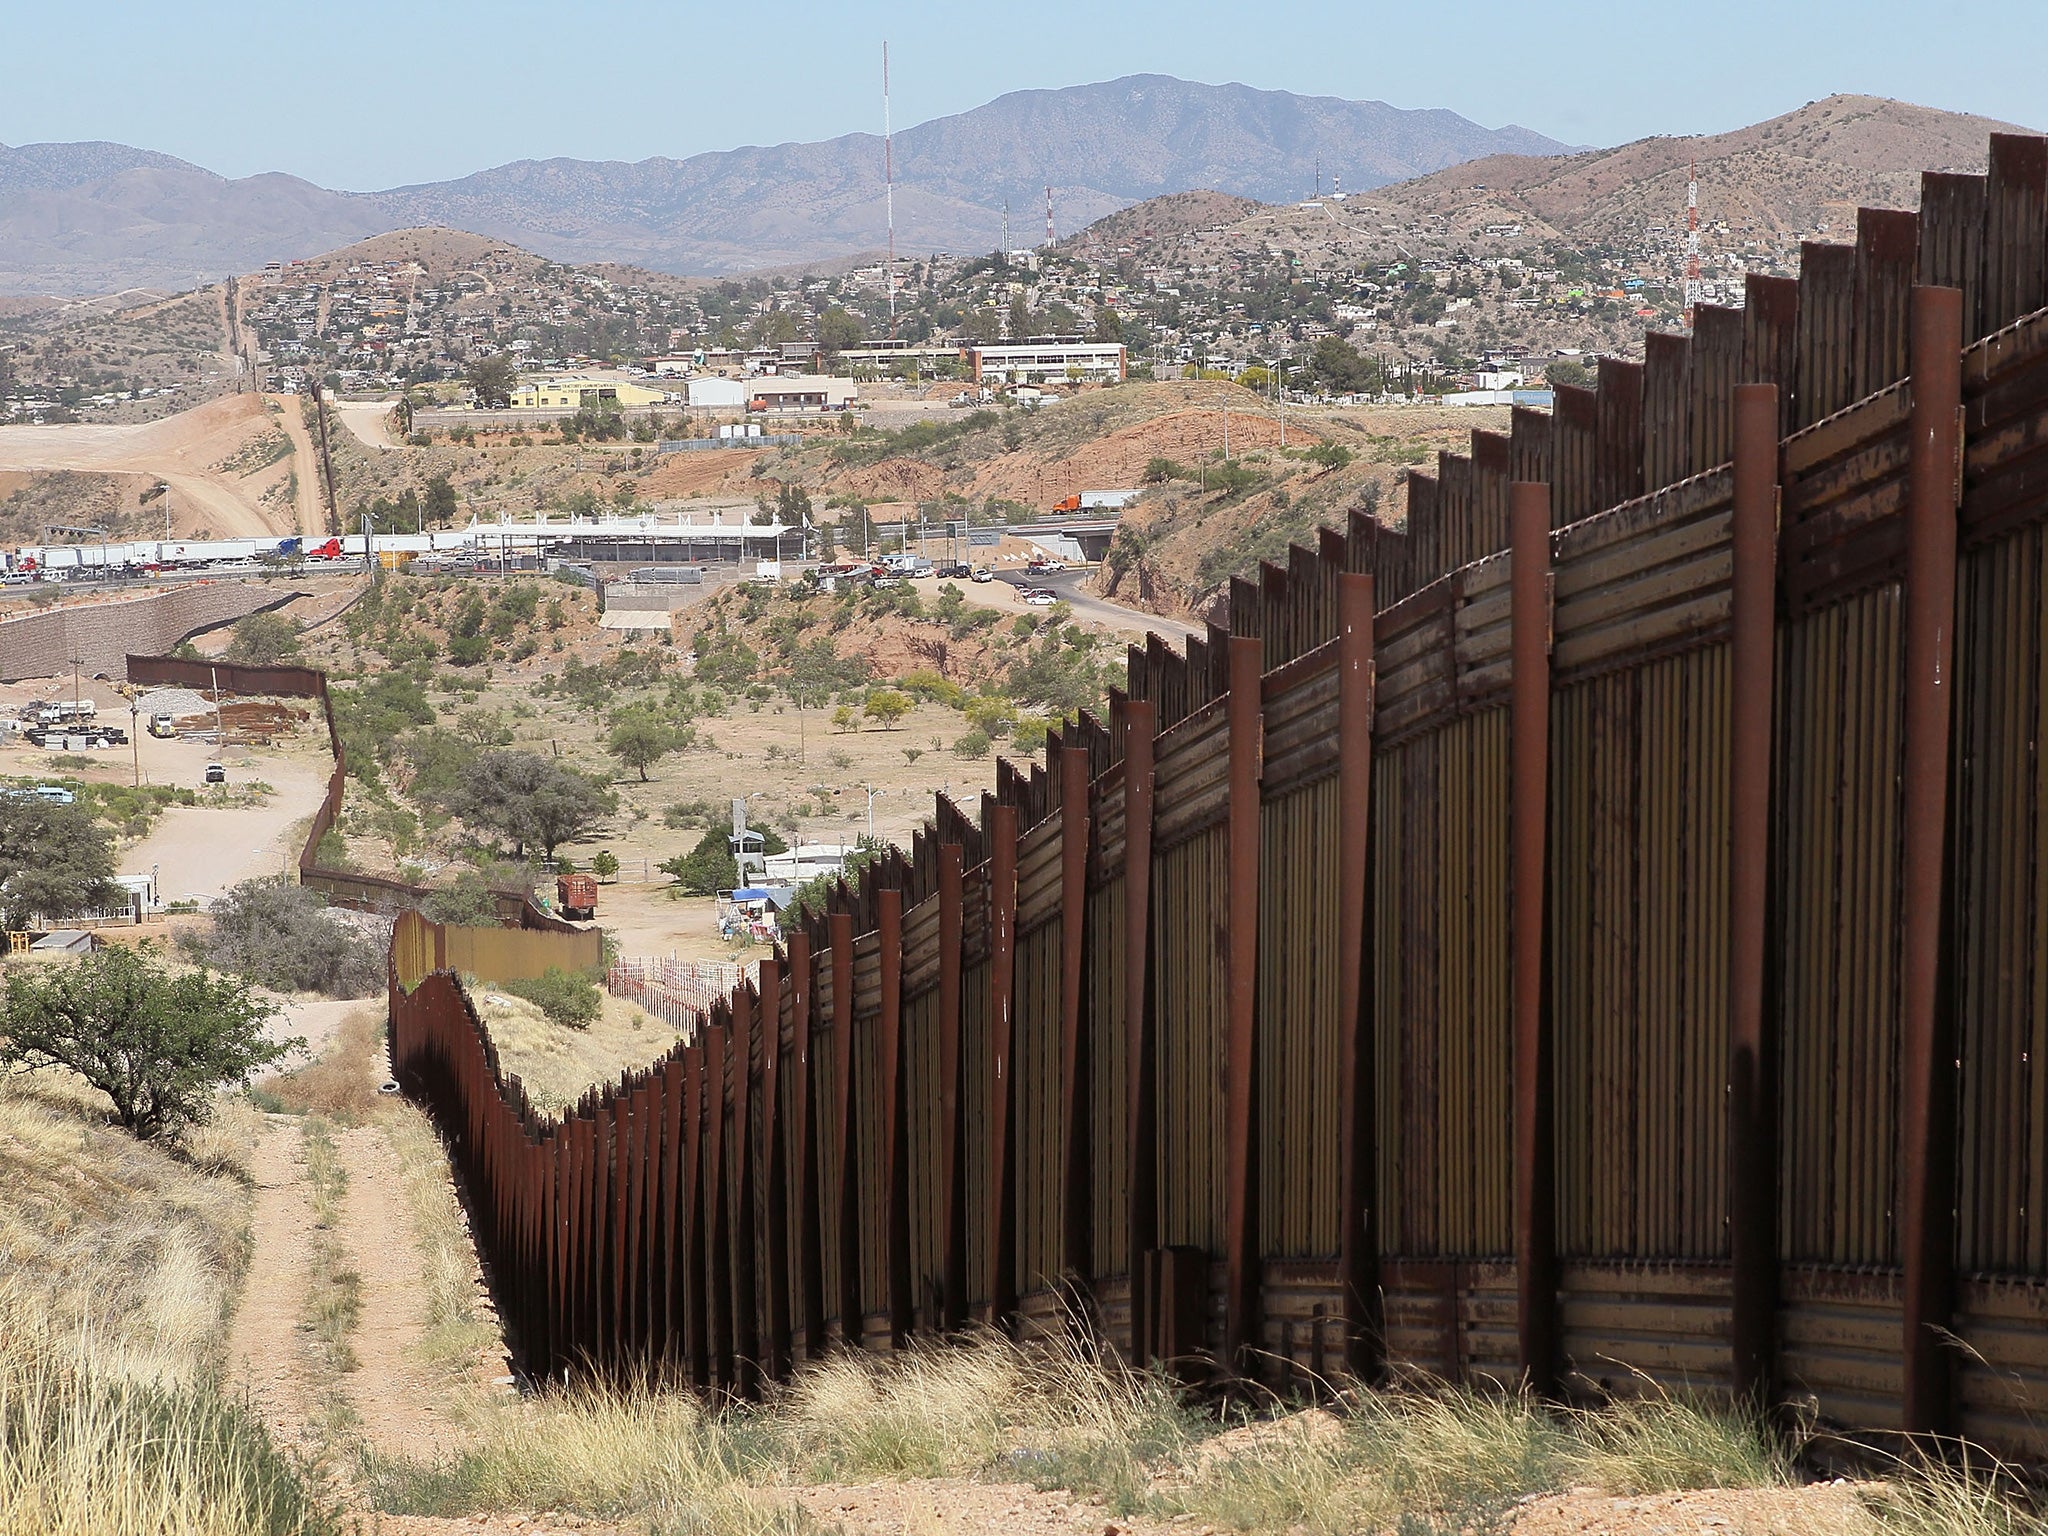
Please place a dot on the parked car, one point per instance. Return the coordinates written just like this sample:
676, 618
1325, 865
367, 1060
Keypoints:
216, 773
983, 573
1039, 597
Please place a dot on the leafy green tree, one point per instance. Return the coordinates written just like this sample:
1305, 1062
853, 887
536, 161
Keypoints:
993, 714
440, 503
710, 867
886, 706
1108, 325
604, 864
493, 378
1341, 368
1020, 318
972, 745
159, 1044
838, 330
525, 798
1567, 371
1330, 455
54, 860
263, 640
640, 739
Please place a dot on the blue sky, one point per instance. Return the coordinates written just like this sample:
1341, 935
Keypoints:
368, 94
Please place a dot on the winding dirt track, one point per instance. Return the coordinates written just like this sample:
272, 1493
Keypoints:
181, 450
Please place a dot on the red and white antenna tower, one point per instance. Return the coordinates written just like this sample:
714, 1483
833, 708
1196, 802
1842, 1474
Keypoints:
1692, 241
1048, 215
889, 185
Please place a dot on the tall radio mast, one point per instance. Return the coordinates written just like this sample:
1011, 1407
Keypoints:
1692, 241
889, 184
1048, 216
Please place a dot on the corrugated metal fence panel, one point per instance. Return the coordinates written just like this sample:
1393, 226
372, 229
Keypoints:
825, 1143
2002, 905
1440, 975
1639, 896
922, 1089
977, 1077
1840, 759
1035, 1117
1109, 1082
1299, 1050
1189, 913
871, 1187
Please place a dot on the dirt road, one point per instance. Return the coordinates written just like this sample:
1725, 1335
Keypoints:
1072, 588
305, 465
182, 450
198, 851
370, 421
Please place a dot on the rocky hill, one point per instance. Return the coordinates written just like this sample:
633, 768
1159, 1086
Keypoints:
92, 218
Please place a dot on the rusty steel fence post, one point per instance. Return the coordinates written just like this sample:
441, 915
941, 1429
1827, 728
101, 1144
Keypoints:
1358, 1237
1535, 1191
951, 1173
1927, 1033
1002, 983
1077, 838
1140, 725
717, 1209
805, 1192
1241, 966
1752, 998
745, 1278
846, 1262
774, 1178
894, 1138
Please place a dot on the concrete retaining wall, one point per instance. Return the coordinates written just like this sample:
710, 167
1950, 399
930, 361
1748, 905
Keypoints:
101, 635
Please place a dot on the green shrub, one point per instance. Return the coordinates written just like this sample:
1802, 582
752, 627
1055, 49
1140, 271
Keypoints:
569, 998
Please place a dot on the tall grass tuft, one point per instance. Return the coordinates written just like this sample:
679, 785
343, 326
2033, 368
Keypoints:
88, 1452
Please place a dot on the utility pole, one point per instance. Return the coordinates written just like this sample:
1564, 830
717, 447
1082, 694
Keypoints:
872, 793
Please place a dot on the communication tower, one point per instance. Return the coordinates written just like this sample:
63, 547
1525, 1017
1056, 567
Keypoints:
889, 185
1048, 216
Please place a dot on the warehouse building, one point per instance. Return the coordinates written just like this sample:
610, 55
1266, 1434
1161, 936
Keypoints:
1046, 359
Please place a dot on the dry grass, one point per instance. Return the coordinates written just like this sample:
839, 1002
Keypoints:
556, 1064
341, 1083
1416, 1463
118, 1266
456, 1331
334, 1290
118, 1241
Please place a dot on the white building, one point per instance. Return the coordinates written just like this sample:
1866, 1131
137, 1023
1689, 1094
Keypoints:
709, 392
797, 393
1046, 360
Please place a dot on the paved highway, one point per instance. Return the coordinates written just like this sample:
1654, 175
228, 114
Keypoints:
1071, 587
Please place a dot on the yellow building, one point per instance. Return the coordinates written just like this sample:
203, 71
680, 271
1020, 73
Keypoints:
576, 392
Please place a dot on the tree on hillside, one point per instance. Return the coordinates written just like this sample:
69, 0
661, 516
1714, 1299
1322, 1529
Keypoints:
493, 378
263, 640
1342, 369
1566, 371
525, 798
441, 501
640, 739
1109, 326
838, 330
54, 860
1020, 318
160, 1045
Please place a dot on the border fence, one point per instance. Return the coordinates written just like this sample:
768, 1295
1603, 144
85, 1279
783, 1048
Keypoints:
1598, 930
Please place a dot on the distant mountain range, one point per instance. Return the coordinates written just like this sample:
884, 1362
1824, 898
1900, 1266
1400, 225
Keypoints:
99, 217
